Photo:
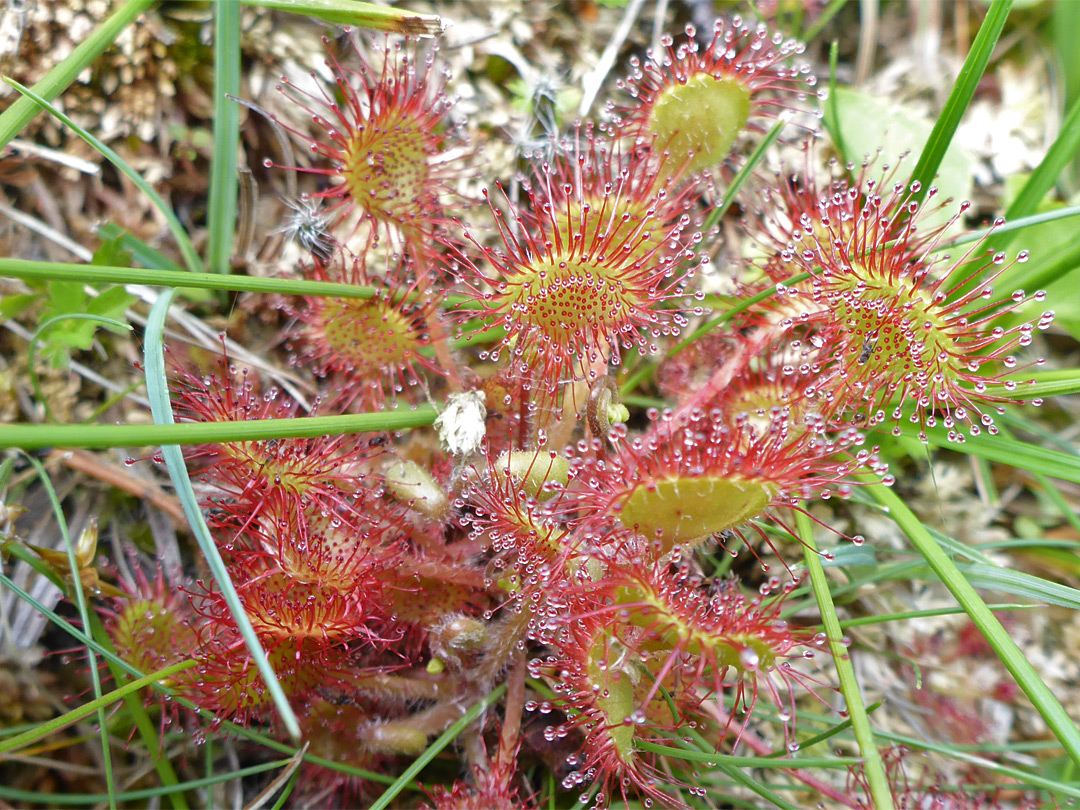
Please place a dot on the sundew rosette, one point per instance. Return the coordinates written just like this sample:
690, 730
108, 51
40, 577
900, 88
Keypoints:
372, 350
907, 331
385, 138
587, 269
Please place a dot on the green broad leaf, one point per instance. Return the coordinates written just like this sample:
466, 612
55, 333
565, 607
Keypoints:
69, 298
111, 304
65, 297
112, 252
868, 123
13, 305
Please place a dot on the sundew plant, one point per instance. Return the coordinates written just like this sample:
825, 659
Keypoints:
618, 405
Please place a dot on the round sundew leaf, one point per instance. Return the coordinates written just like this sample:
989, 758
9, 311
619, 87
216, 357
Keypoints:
615, 693
412, 484
369, 336
701, 118
386, 168
533, 470
682, 510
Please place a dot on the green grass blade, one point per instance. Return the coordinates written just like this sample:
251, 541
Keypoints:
1012, 226
1061, 153
957, 752
1048, 706
1047, 384
1006, 451
732, 191
141, 252
770, 763
77, 799
232, 728
907, 615
221, 213
36, 437
77, 714
157, 391
438, 745
84, 615
191, 258
146, 728
361, 15
978, 57
874, 768
22, 112
757, 787
101, 274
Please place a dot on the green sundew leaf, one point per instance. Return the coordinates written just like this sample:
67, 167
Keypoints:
867, 123
934, 154
1006, 451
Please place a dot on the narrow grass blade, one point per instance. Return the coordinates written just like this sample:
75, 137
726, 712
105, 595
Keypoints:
221, 213
732, 191
761, 790
710, 757
19, 114
922, 614
191, 258
77, 714
978, 57
873, 767
1012, 226
36, 437
1007, 451
361, 15
1047, 384
957, 752
157, 391
1048, 706
84, 615
1061, 153
432, 750
78, 799
147, 731
101, 274
141, 252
